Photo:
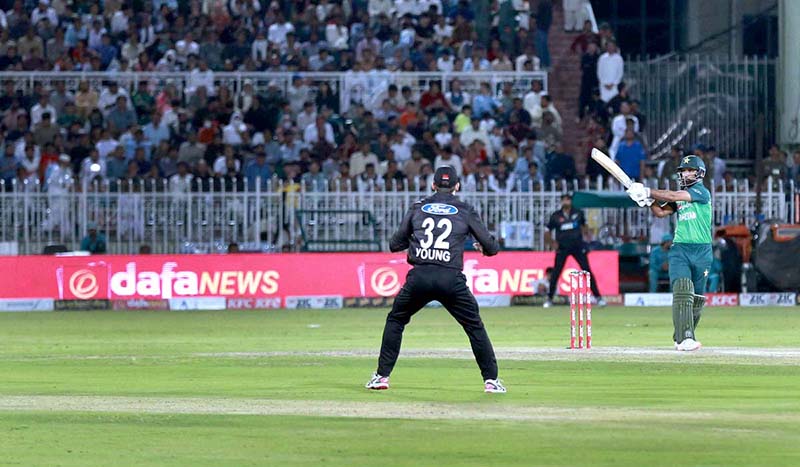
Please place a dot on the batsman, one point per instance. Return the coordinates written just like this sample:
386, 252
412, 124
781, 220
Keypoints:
690, 257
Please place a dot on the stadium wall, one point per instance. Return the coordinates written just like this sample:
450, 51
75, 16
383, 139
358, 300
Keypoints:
262, 281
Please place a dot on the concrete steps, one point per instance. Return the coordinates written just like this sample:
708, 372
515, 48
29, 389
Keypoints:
565, 83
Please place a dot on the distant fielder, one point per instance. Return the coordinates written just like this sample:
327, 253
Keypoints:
690, 257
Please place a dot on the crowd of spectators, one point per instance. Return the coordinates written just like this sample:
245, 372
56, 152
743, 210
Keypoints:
201, 133
299, 35
611, 118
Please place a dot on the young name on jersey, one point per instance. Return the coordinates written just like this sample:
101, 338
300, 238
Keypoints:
435, 245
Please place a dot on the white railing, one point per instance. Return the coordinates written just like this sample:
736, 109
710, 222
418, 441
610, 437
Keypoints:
365, 88
269, 219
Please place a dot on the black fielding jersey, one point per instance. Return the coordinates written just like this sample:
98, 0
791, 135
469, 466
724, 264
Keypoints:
567, 227
435, 229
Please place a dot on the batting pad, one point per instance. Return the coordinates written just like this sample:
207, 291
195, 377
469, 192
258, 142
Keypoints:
697, 308
682, 309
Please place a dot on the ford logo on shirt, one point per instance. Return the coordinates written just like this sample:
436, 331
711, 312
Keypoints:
440, 209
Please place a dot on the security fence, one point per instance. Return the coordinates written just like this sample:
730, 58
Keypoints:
728, 102
288, 217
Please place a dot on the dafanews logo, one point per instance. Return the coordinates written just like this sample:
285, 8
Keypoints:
440, 209
170, 282
385, 281
500, 280
83, 284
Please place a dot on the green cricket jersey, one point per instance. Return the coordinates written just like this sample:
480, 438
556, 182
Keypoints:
694, 218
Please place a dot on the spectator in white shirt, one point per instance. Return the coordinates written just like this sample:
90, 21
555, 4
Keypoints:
147, 33
44, 106
502, 63
408, 35
545, 105
619, 124
369, 180
573, 14
258, 51
443, 135
442, 30
185, 47
473, 133
308, 116
376, 7
96, 34
445, 62
610, 69
132, 48
234, 132
276, 34
106, 145
226, 159
108, 97
446, 157
201, 76
336, 34
312, 133
456, 97
43, 10
478, 61
324, 8
533, 97
121, 19
404, 7
360, 159
92, 167
488, 123
181, 182
298, 94
529, 55
401, 146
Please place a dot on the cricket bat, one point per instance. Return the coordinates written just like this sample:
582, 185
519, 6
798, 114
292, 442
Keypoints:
611, 167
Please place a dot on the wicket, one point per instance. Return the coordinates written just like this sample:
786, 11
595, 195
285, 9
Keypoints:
580, 286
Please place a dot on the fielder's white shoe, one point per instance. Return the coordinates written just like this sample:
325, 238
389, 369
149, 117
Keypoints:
378, 382
676, 345
601, 302
494, 386
689, 345
547, 304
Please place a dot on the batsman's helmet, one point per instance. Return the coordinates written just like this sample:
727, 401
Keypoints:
691, 162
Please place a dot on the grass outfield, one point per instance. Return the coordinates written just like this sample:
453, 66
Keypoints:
286, 388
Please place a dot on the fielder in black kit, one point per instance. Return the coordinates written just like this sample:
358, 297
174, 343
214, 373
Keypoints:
434, 231
566, 229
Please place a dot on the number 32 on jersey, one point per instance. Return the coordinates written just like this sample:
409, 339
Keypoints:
436, 234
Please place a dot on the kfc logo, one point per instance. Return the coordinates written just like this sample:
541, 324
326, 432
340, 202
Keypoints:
83, 284
722, 299
385, 282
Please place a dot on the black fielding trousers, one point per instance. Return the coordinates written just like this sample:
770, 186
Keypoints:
424, 284
577, 252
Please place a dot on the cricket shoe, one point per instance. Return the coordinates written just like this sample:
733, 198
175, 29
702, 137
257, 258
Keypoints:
689, 345
378, 382
548, 304
599, 302
494, 386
